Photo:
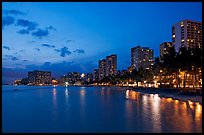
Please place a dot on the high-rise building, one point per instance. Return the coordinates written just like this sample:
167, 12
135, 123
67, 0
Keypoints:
71, 78
102, 69
187, 33
164, 47
141, 57
111, 65
89, 77
96, 75
39, 77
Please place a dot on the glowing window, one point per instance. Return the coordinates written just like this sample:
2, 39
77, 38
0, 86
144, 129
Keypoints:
182, 24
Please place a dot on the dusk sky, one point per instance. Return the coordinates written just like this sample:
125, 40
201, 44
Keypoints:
73, 36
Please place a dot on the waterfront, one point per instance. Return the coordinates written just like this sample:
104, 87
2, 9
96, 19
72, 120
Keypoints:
94, 109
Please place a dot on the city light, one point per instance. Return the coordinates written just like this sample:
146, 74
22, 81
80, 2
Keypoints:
83, 75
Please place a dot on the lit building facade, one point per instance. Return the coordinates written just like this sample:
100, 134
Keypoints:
70, 78
111, 65
39, 77
164, 47
187, 33
96, 75
141, 57
89, 77
102, 69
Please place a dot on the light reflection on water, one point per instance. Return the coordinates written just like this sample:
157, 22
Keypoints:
96, 109
186, 116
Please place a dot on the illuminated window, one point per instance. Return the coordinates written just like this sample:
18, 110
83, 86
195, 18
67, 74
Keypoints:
173, 36
182, 24
182, 40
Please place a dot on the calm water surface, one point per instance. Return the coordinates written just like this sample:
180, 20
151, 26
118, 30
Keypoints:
94, 109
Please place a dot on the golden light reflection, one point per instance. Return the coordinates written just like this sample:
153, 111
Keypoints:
198, 113
82, 92
169, 99
130, 94
184, 105
176, 101
191, 104
156, 113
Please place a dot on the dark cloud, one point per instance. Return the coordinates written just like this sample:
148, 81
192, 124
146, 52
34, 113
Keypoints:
63, 51
68, 41
25, 60
8, 20
26, 23
37, 49
49, 46
40, 33
23, 31
10, 57
13, 12
50, 28
6, 47
79, 51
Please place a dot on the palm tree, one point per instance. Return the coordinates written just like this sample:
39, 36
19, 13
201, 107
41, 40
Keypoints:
170, 64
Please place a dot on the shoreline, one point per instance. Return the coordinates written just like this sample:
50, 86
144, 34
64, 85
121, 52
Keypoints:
169, 93
162, 92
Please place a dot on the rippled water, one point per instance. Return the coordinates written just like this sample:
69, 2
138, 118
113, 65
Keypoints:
94, 109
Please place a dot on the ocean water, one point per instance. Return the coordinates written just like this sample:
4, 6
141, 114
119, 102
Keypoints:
48, 109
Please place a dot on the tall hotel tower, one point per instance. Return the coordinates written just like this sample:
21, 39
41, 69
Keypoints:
187, 33
141, 57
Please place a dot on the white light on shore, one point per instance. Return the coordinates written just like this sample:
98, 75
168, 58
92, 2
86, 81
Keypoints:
66, 84
83, 75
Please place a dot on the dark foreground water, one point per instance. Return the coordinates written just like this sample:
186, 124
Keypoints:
94, 109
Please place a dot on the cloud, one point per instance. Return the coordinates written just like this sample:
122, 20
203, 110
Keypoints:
63, 51
22, 50
23, 31
37, 49
28, 24
6, 47
8, 20
50, 28
10, 57
25, 60
49, 46
68, 41
79, 51
13, 12
40, 33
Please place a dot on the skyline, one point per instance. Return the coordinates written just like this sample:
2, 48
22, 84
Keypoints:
87, 33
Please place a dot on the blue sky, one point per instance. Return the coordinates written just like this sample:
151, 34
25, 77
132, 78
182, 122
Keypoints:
73, 36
